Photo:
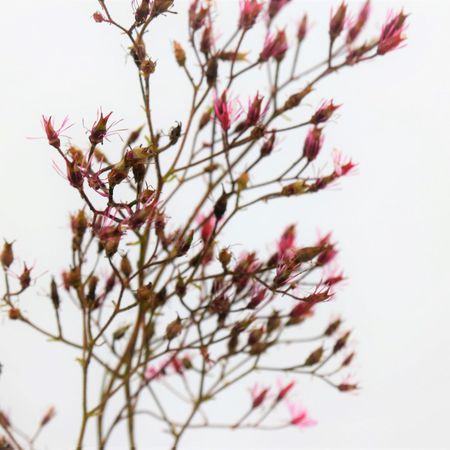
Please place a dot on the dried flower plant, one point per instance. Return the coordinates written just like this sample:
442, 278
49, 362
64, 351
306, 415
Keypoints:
168, 312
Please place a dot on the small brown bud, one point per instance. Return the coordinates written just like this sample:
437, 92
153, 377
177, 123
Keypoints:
204, 119
54, 294
174, 329
180, 287
25, 277
144, 293
295, 99
255, 335
180, 54
125, 266
273, 322
211, 72
14, 313
314, 358
233, 343
258, 348
147, 67
297, 188
332, 328
347, 387
225, 257
51, 412
92, 287
341, 342
242, 181
348, 360
120, 332
220, 305
221, 206
7, 256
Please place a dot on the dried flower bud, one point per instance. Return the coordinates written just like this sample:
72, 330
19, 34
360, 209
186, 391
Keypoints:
99, 129
325, 111
206, 41
313, 144
98, 17
297, 188
225, 257
233, 343
161, 6
147, 67
220, 305
302, 28
348, 360
49, 415
54, 294
242, 181
273, 322
142, 12
314, 358
221, 206
7, 256
295, 99
120, 332
255, 336
180, 287
337, 21
347, 387
341, 342
144, 293
14, 314
267, 147
25, 277
173, 329
125, 266
211, 71
204, 119
92, 287
180, 54
333, 327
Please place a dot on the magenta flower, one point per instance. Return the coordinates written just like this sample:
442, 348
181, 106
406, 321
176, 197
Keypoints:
356, 27
258, 295
287, 241
250, 10
274, 47
52, 133
207, 226
299, 415
392, 33
324, 112
342, 165
275, 6
99, 129
225, 111
313, 144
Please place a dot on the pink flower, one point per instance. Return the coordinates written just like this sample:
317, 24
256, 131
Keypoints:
274, 47
52, 134
392, 33
324, 112
259, 394
287, 241
258, 295
299, 415
99, 129
207, 226
275, 7
313, 144
225, 111
357, 26
342, 165
250, 10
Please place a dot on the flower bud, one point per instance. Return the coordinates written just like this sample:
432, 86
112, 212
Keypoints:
25, 278
337, 21
314, 358
14, 314
180, 55
7, 255
221, 206
125, 266
54, 294
341, 342
174, 329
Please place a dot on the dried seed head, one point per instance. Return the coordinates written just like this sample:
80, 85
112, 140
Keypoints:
7, 256
174, 329
314, 358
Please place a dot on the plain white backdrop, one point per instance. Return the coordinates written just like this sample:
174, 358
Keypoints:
392, 220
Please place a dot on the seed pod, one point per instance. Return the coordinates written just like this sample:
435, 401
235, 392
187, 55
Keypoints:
125, 266
25, 277
225, 257
220, 305
144, 293
273, 322
255, 336
332, 328
120, 332
14, 314
180, 287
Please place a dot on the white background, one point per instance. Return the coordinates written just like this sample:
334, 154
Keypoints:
392, 220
